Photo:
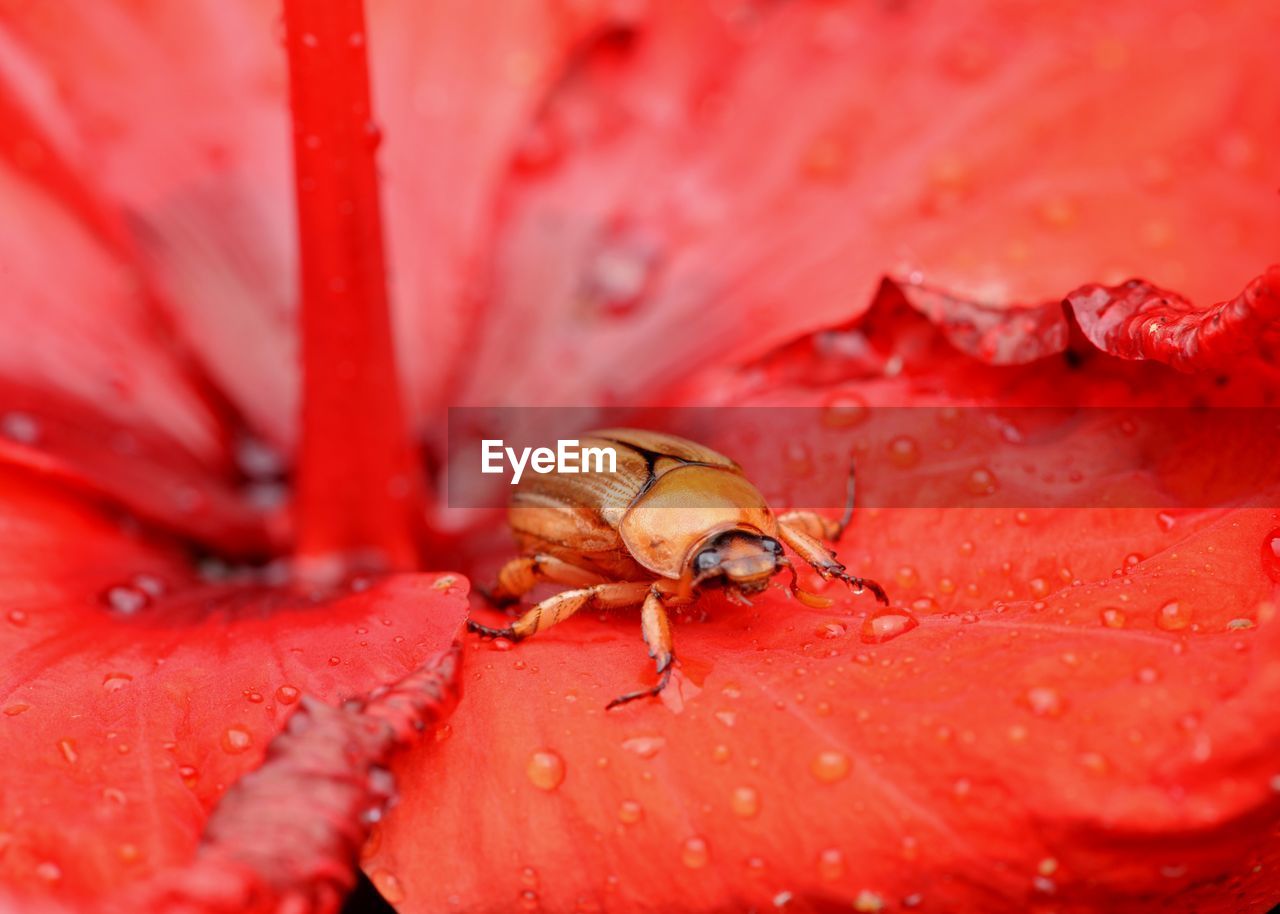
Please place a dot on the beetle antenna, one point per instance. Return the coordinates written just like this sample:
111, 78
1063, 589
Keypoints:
850, 490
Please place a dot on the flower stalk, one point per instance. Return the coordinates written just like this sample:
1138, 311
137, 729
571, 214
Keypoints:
358, 493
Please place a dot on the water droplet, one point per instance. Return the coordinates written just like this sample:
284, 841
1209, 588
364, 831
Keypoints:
309, 40
334, 661
886, 624
388, 885
17, 617
694, 853
830, 766
620, 272
68, 749
1044, 701
252, 696
719, 754
904, 452
981, 482
236, 739
745, 802
287, 694
907, 577
1236, 625
114, 682
126, 599
20, 427
644, 746
868, 902
1165, 521
843, 410
831, 629
831, 864
545, 769
1039, 587
48, 871
1112, 617
1271, 554
189, 774
630, 812
1173, 616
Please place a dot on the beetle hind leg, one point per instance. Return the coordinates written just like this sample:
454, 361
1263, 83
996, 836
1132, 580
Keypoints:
824, 562
561, 606
523, 573
656, 628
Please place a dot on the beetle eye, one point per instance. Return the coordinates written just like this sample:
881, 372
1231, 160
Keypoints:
772, 545
706, 560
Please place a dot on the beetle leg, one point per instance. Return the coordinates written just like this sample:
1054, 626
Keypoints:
812, 523
561, 606
656, 628
824, 562
522, 574
825, 528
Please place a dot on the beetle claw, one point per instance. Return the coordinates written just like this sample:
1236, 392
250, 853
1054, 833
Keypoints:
484, 631
860, 584
651, 692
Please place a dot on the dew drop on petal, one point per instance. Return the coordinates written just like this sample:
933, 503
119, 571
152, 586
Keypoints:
644, 746
831, 864
830, 766
904, 452
17, 617
236, 740
886, 624
694, 853
1271, 554
830, 629
388, 885
745, 802
843, 410
68, 749
1173, 616
630, 812
20, 427
545, 769
1044, 701
125, 599
189, 774
981, 482
287, 694
114, 682
868, 902
1112, 617
48, 871
1165, 521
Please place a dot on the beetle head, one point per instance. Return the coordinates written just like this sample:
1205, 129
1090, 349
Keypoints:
740, 559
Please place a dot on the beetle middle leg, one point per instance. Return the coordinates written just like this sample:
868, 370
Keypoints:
824, 561
656, 628
561, 606
523, 573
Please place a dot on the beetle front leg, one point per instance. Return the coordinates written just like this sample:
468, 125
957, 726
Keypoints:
561, 606
824, 562
656, 628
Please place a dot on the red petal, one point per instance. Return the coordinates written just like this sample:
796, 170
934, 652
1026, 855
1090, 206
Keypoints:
128, 715
983, 760
992, 153
456, 90
197, 159
93, 390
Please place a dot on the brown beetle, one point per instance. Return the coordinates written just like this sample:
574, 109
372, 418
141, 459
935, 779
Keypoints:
675, 517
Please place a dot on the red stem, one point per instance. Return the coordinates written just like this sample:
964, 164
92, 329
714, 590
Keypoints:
358, 497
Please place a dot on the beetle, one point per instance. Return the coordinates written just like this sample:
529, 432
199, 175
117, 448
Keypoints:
674, 518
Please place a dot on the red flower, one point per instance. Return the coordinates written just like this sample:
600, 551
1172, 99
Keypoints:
653, 206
